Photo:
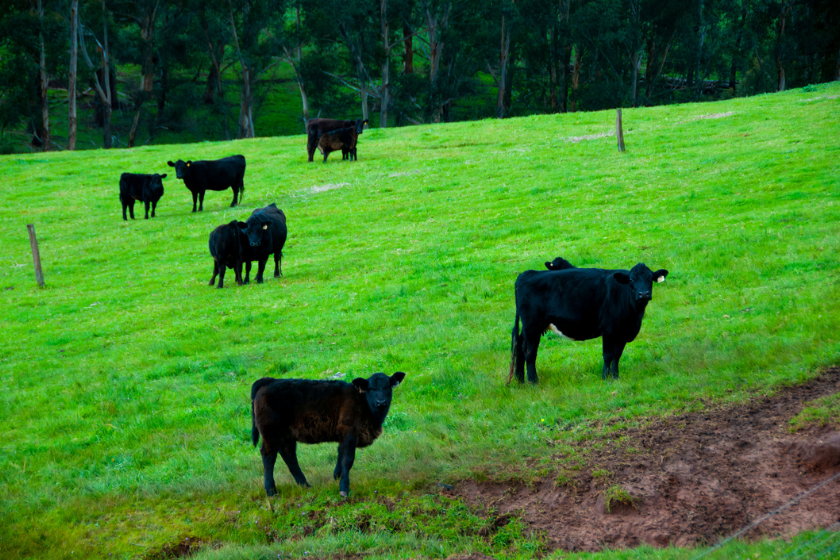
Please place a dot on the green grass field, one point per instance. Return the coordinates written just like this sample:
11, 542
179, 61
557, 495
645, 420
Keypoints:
124, 383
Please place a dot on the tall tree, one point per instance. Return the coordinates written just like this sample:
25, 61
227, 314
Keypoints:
103, 82
71, 81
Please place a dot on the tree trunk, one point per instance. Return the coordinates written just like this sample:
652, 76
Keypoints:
735, 53
147, 32
246, 123
837, 76
503, 63
304, 99
106, 70
71, 85
553, 50
650, 80
218, 71
576, 77
565, 55
780, 67
385, 89
44, 79
637, 49
408, 46
701, 39
434, 22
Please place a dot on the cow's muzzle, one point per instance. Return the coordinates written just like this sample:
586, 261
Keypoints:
644, 296
254, 243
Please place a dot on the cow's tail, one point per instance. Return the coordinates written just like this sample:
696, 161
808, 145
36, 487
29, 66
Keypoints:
258, 384
514, 338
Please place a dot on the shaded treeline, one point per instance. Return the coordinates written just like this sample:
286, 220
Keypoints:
410, 61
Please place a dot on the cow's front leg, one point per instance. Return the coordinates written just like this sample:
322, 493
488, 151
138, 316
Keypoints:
532, 344
131, 208
347, 456
277, 258
247, 272
201, 201
124, 205
237, 269
195, 199
261, 269
288, 450
146, 204
612, 349
154, 205
337, 471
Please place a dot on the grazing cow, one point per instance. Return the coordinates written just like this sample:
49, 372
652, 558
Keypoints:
343, 139
581, 304
266, 231
315, 128
559, 264
229, 248
287, 411
145, 188
214, 175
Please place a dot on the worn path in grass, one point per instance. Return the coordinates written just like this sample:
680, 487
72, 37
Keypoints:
124, 384
685, 480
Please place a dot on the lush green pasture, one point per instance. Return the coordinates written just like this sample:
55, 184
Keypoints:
124, 383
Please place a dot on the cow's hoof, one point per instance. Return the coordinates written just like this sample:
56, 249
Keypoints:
270, 492
343, 494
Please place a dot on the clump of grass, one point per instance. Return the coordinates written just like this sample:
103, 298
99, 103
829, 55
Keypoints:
602, 474
823, 411
617, 494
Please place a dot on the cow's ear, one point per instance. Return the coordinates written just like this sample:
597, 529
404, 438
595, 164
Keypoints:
164, 176
621, 278
660, 275
242, 225
549, 266
360, 384
189, 162
170, 164
397, 378
265, 226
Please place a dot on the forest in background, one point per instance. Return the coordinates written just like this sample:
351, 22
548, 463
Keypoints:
122, 73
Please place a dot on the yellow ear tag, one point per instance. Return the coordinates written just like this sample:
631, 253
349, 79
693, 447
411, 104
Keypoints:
265, 226
188, 165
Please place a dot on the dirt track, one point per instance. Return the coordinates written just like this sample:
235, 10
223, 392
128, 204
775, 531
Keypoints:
698, 477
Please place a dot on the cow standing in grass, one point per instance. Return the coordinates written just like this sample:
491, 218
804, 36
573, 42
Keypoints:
214, 175
343, 139
315, 128
287, 411
145, 188
265, 232
229, 248
581, 304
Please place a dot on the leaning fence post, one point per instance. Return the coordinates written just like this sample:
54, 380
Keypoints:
618, 131
36, 256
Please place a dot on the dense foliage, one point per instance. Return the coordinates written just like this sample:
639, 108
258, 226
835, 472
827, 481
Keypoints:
410, 61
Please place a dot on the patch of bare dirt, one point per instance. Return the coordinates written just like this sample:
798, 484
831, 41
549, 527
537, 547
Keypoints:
694, 478
181, 549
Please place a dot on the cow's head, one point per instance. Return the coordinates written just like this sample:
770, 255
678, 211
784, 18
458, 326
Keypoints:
559, 264
377, 391
641, 280
360, 125
181, 167
255, 228
153, 189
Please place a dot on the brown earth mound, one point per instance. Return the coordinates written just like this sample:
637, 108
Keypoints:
686, 480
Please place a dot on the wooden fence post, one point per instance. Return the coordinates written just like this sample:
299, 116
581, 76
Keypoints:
619, 132
36, 256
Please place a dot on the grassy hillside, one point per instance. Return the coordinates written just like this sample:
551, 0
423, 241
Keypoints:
124, 383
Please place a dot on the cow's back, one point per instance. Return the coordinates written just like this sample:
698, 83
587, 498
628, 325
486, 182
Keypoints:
311, 411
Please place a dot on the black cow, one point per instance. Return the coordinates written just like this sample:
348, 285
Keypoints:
266, 234
559, 264
315, 128
214, 175
287, 411
230, 248
343, 139
145, 188
581, 304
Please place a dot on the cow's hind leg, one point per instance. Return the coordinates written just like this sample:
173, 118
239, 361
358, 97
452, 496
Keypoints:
146, 203
124, 205
337, 471
269, 457
235, 190
195, 199
201, 201
222, 268
288, 450
532, 344
519, 358
215, 272
154, 205
347, 456
131, 208
277, 258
